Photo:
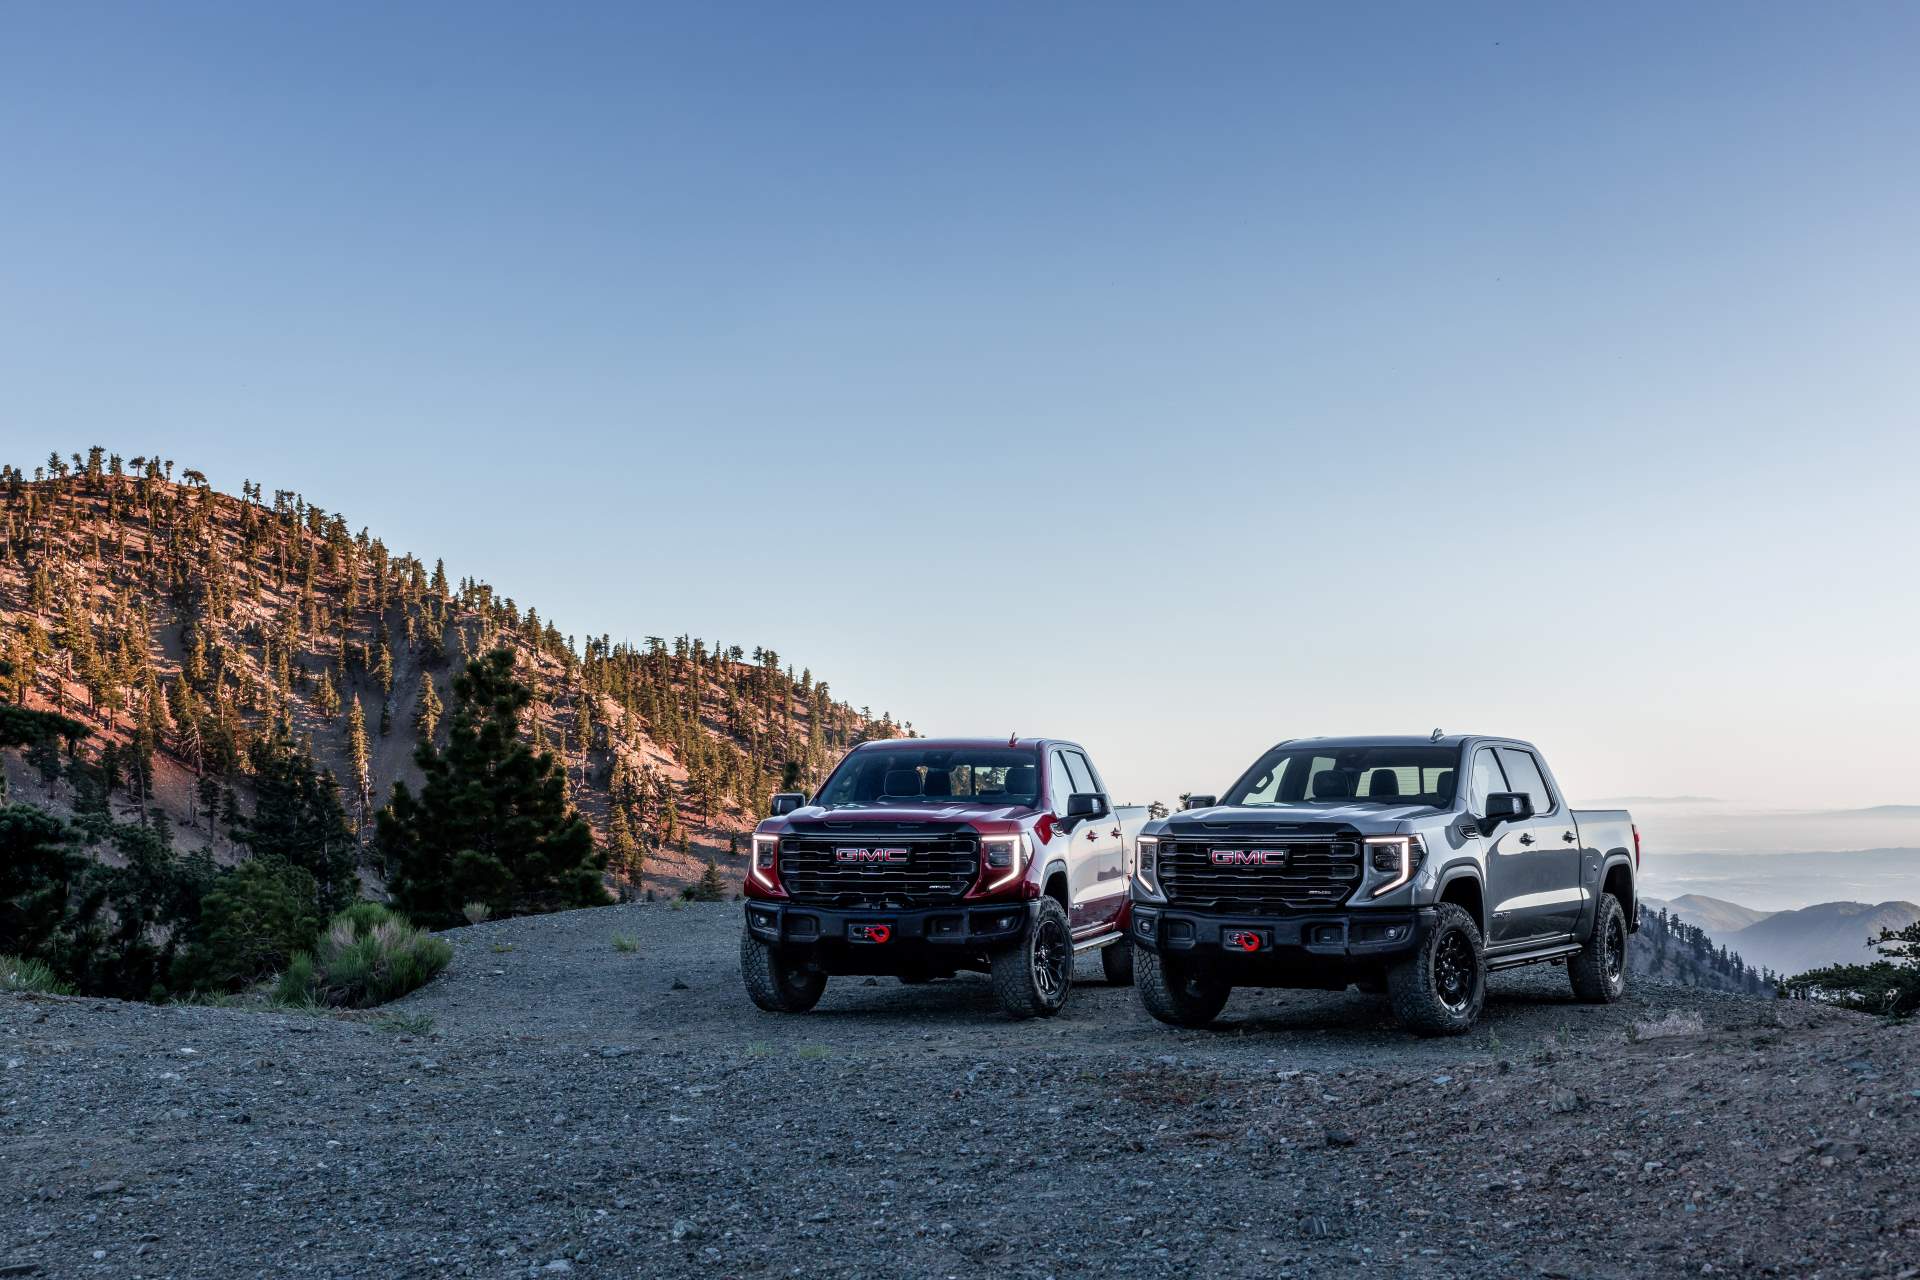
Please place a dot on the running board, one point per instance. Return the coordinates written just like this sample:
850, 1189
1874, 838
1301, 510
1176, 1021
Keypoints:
1099, 943
1558, 951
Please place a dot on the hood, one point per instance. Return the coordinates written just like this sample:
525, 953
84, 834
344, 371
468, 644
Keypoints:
896, 815
1363, 816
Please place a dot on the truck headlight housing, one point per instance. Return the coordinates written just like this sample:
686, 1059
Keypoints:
766, 860
1146, 868
1393, 860
1006, 859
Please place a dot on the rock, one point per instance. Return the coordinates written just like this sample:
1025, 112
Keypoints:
680, 986
1339, 1138
113, 1188
684, 1230
1565, 1100
558, 1266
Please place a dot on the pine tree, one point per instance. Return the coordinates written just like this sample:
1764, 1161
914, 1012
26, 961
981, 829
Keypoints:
359, 757
298, 819
491, 823
623, 851
427, 718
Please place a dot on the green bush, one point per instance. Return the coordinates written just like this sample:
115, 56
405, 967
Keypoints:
252, 922
32, 976
368, 956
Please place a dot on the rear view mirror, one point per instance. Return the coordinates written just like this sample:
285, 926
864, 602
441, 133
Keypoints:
1508, 806
1200, 802
785, 802
1086, 804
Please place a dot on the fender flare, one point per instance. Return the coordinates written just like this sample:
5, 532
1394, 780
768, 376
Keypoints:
1464, 871
1621, 858
1047, 873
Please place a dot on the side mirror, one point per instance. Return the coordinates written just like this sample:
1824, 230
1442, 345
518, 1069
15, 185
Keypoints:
785, 802
1086, 804
1200, 802
1507, 806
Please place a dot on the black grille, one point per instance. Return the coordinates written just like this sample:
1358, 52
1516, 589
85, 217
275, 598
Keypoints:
937, 869
1318, 872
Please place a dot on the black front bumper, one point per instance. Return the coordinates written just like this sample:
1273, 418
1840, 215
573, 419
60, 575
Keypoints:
841, 939
1309, 948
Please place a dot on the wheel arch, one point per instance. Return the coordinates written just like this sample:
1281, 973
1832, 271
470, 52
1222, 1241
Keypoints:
1462, 887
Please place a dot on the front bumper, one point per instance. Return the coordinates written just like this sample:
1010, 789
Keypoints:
1319, 942
845, 936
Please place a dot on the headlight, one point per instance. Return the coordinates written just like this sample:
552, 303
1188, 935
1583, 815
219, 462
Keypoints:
1146, 866
1006, 859
766, 854
1395, 858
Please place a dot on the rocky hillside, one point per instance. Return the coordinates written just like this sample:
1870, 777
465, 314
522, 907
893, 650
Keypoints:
181, 624
1669, 949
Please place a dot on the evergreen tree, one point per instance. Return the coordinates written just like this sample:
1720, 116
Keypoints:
298, 819
427, 718
623, 851
491, 823
359, 758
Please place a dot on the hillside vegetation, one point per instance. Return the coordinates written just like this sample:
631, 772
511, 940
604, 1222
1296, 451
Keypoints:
181, 627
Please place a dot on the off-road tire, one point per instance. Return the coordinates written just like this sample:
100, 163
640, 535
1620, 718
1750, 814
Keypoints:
774, 983
1177, 994
1599, 971
1116, 961
1032, 977
1440, 989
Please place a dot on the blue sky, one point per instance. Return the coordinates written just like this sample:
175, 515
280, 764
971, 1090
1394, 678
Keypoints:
1173, 380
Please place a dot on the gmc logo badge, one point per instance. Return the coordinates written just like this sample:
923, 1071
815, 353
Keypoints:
869, 855
1248, 857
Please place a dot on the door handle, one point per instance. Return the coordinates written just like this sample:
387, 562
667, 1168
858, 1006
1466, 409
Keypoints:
1093, 835
1568, 836
1525, 838
1115, 832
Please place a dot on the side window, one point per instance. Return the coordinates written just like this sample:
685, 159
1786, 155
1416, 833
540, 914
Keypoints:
1487, 779
1059, 782
1524, 773
1083, 775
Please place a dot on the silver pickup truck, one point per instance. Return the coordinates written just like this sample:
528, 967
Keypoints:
1408, 867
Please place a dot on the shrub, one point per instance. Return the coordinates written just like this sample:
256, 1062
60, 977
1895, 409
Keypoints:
1889, 986
710, 888
476, 912
252, 922
624, 943
17, 974
368, 956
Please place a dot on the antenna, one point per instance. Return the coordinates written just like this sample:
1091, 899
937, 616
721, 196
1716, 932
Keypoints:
1013, 739
1437, 735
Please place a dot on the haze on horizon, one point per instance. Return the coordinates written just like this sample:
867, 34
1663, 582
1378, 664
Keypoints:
1173, 382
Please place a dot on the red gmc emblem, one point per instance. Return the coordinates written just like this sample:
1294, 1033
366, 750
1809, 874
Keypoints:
1248, 857
869, 855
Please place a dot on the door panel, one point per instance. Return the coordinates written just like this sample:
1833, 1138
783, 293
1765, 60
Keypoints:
1532, 868
1100, 885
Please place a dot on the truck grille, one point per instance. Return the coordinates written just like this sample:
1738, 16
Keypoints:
1319, 872
937, 869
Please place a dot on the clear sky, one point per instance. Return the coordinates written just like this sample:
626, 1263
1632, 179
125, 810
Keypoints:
1173, 378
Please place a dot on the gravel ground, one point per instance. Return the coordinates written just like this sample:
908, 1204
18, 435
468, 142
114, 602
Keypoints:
557, 1102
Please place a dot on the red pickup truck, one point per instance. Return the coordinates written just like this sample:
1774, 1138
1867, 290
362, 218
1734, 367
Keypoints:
920, 858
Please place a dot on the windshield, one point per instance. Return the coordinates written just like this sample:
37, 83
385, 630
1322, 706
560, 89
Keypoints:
1303, 775
934, 776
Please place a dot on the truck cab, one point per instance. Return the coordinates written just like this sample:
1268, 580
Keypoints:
1406, 866
921, 858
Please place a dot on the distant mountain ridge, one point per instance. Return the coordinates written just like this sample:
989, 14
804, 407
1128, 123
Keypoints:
1793, 941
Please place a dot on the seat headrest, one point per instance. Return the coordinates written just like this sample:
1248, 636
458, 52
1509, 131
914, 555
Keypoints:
1020, 780
1443, 786
939, 783
1383, 782
902, 782
1332, 784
